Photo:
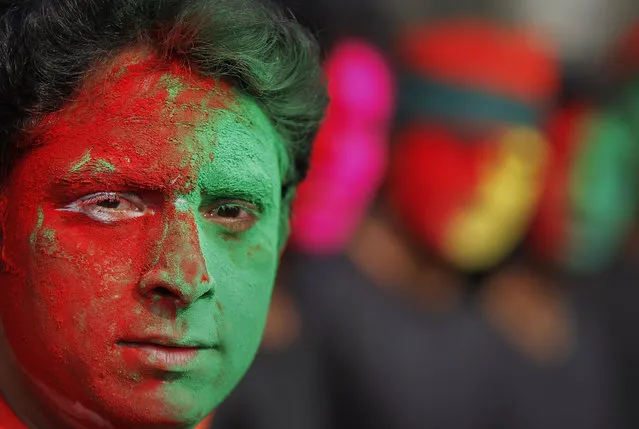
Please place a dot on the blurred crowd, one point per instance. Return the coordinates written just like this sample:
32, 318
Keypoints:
465, 249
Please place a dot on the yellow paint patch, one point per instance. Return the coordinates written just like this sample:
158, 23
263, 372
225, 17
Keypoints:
481, 234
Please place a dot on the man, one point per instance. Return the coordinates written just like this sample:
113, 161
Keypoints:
150, 151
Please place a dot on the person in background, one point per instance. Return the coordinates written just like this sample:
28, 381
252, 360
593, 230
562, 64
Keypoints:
403, 347
542, 302
469, 155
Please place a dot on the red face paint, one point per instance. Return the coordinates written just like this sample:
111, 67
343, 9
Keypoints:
118, 323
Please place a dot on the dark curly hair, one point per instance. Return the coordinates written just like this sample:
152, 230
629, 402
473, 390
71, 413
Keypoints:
48, 47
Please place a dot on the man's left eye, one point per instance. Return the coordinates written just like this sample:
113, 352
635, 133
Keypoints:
108, 207
235, 216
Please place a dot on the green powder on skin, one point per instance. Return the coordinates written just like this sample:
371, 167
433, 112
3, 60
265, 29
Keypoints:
237, 156
48, 243
38, 226
103, 166
87, 163
173, 86
78, 165
181, 205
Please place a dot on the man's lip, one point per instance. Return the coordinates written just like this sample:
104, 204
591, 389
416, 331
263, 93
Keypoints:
164, 354
165, 343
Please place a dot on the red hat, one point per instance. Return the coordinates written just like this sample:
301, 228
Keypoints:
473, 53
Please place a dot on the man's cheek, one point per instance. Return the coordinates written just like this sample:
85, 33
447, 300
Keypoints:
244, 320
76, 276
62, 291
244, 290
111, 255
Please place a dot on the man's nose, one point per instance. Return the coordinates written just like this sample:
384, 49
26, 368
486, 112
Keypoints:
178, 272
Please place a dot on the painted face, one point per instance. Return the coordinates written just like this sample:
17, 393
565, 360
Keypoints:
471, 202
141, 242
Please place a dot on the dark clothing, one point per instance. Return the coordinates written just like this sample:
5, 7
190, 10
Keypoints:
393, 366
613, 297
574, 393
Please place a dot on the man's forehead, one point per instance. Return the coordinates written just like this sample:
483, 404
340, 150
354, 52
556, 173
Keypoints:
144, 115
132, 84
137, 99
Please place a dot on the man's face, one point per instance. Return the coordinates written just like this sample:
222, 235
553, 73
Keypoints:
141, 242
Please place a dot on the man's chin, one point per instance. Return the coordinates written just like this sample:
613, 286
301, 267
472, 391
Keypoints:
141, 417
157, 406
166, 407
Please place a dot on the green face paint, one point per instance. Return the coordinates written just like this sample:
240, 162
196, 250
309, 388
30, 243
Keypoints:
239, 169
155, 215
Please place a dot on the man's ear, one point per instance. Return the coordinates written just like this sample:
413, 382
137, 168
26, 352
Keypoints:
288, 193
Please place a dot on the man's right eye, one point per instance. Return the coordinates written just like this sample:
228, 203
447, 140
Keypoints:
108, 207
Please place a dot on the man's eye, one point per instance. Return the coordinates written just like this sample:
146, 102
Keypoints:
236, 216
108, 207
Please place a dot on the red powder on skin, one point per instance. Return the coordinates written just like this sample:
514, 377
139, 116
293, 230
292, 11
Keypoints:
192, 270
114, 98
143, 137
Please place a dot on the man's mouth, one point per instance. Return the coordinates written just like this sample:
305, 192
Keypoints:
164, 353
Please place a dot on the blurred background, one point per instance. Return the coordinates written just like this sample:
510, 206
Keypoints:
465, 250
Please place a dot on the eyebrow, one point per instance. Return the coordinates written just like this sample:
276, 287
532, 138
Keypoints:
248, 188
253, 190
86, 177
